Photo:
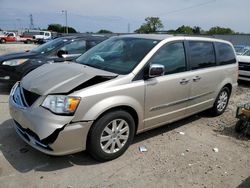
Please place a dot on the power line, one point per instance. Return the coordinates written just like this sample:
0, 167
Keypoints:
190, 7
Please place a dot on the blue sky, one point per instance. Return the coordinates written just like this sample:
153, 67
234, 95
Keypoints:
115, 15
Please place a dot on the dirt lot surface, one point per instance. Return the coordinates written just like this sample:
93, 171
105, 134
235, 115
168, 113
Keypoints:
178, 155
9, 47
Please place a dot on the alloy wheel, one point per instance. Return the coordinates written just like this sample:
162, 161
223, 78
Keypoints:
114, 136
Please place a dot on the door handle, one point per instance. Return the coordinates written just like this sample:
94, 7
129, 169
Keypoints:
184, 81
196, 78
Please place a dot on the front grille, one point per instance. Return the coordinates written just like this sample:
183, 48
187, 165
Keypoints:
30, 97
244, 76
23, 97
244, 66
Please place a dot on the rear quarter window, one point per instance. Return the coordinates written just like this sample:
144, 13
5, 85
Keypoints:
225, 54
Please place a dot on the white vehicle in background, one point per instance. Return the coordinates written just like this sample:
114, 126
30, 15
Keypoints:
43, 35
244, 66
241, 49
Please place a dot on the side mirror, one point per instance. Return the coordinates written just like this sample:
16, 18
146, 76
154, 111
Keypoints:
60, 53
156, 70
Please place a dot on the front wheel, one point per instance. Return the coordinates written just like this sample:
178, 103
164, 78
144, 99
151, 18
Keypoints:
3, 41
221, 102
111, 135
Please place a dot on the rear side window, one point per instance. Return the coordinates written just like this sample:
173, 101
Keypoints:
225, 54
76, 47
172, 56
202, 55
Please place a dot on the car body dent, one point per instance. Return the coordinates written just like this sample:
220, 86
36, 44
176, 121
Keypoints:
62, 78
36, 118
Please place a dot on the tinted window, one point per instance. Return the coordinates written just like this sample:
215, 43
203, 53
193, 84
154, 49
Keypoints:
48, 46
76, 47
225, 54
11, 35
202, 55
91, 44
172, 56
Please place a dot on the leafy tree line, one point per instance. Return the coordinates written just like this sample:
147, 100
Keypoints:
154, 24
60, 29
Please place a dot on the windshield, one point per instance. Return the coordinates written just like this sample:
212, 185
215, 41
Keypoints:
48, 46
246, 53
240, 49
118, 55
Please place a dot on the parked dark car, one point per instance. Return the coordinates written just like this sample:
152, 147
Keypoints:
14, 66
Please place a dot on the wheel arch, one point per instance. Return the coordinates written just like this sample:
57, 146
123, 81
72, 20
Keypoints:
125, 108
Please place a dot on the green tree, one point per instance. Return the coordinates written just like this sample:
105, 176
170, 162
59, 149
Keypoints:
196, 30
60, 29
55, 27
104, 31
70, 30
220, 30
152, 25
184, 30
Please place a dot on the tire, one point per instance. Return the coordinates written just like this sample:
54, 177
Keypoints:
221, 102
116, 128
3, 41
240, 126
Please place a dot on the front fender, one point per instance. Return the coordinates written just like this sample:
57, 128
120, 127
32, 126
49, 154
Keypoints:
112, 102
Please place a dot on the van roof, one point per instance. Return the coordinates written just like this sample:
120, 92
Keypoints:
180, 37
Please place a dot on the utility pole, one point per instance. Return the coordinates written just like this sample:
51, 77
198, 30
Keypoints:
31, 22
128, 27
66, 20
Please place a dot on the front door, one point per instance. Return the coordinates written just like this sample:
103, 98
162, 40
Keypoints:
166, 97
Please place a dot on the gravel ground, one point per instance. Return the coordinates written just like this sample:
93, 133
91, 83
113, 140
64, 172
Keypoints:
172, 160
15, 47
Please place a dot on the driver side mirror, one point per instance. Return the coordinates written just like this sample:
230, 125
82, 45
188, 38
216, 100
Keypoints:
156, 70
61, 53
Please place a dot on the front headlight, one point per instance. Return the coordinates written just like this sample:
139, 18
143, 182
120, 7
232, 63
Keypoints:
60, 104
14, 62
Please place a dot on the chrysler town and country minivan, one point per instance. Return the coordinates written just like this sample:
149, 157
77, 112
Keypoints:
121, 87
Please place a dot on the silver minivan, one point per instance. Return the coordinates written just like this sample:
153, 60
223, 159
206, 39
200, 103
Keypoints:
122, 87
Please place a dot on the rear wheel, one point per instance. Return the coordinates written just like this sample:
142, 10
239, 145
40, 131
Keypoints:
221, 102
111, 135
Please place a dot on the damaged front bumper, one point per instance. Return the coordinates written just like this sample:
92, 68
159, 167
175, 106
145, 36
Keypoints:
47, 132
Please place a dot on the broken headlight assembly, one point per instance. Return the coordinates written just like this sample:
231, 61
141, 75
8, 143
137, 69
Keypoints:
60, 104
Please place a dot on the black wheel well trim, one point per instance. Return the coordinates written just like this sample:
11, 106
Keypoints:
229, 86
125, 108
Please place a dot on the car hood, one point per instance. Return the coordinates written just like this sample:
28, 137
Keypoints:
242, 58
63, 78
17, 55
